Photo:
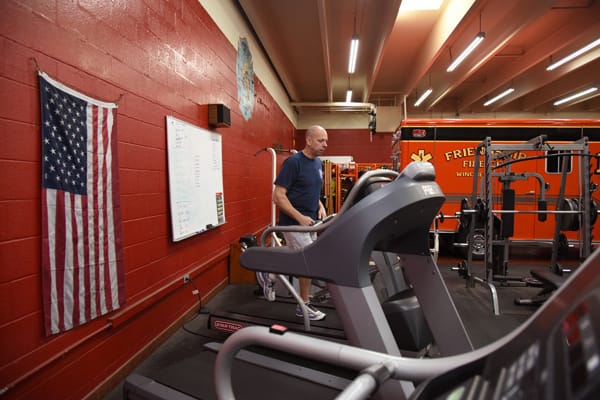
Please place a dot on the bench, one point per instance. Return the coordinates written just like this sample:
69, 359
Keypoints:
549, 282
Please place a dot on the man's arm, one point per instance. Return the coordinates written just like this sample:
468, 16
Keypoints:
322, 213
281, 200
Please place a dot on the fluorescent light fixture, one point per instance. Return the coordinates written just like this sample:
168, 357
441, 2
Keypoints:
423, 97
417, 5
353, 54
501, 95
575, 96
480, 36
349, 96
573, 55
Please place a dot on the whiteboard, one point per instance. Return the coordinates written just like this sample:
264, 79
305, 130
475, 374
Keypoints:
195, 179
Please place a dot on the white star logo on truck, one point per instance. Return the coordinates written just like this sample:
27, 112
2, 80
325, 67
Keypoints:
421, 156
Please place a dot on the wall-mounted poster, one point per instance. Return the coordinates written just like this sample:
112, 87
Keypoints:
245, 78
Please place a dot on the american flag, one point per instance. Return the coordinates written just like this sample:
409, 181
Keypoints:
82, 256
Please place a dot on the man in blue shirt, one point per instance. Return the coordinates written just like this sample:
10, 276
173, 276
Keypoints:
297, 194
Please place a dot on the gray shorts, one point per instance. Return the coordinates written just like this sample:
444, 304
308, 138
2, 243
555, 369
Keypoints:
298, 240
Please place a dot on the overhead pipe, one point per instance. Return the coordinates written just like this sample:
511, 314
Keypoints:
337, 106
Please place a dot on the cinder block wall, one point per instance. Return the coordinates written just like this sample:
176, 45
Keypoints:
159, 58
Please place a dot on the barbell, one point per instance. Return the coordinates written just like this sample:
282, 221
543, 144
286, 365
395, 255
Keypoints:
571, 208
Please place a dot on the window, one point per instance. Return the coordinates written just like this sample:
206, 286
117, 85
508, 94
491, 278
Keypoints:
554, 162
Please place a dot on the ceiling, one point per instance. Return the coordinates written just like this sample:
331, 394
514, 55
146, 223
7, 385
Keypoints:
308, 41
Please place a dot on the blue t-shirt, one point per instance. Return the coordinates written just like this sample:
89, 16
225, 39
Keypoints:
303, 179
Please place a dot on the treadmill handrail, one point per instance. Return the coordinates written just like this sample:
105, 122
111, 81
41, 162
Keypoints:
342, 355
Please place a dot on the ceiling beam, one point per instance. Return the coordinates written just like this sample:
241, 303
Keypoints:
386, 25
451, 18
571, 32
517, 15
563, 86
325, 46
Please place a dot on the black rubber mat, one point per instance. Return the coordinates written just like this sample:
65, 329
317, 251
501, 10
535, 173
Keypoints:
184, 363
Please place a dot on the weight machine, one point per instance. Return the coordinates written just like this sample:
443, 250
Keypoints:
497, 232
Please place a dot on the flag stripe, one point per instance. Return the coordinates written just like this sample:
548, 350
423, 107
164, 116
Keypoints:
59, 258
67, 284
79, 292
91, 225
93, 128
46, 279
114, 277
83, 275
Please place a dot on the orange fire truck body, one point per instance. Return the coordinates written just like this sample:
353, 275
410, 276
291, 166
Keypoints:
450, 145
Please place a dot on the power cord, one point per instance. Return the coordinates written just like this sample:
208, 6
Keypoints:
201, 311
196, 291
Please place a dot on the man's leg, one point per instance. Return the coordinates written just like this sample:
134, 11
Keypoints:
305, 288
299, 240
266, 282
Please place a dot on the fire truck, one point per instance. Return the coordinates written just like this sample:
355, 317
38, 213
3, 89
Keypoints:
521, 180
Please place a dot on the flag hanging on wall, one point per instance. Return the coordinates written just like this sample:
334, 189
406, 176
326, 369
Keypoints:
82, 253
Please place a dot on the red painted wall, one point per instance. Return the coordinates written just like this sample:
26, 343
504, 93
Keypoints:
162, 58
357, 143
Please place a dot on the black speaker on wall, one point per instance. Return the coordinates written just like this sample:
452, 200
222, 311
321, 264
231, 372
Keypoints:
218, 115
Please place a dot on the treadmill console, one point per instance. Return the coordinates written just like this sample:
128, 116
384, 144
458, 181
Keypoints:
556, 356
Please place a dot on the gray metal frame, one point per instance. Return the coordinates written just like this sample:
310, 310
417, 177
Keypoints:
493, 152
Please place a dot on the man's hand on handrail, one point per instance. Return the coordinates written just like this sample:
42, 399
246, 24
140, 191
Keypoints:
318, 226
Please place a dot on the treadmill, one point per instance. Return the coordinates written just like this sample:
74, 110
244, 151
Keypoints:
394, 219
554, 355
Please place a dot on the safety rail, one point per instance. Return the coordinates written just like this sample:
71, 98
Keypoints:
374, 368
